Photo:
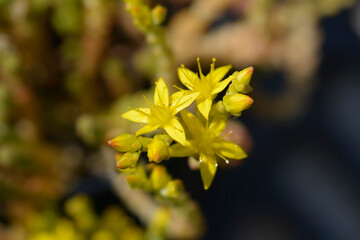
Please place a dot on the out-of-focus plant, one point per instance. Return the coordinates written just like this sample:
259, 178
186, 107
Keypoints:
149, 21
276, 35
82, 222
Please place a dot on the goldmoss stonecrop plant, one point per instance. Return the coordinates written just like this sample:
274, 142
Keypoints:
185, 134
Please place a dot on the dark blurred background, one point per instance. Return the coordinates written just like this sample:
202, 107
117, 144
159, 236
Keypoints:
302, 178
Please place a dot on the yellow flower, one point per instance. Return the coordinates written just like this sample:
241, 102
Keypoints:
207, 86
207, 144
162, 114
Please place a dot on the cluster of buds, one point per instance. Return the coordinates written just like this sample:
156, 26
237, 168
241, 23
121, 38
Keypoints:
185, 135
235, 101
144, 17
157, 181
130, 147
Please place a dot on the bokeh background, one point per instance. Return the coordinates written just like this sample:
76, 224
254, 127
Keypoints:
69, 68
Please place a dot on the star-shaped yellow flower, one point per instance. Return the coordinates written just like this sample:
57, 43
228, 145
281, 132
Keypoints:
162, 114
207, 86
207, 144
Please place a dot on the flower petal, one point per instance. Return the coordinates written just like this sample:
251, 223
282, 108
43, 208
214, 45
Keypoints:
183, 99
146, 129
219, 73
137, 115
161, 96
208, 167
221, 85
187, 77
218, 125
174, 98
178, 150
204, 106
228, 149
176, 131
192, 123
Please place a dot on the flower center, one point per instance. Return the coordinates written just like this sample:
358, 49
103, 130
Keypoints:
161, 115
204, 86
205, 142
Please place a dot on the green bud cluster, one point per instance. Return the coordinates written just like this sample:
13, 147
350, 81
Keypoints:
158, 180
149, 21
131, 146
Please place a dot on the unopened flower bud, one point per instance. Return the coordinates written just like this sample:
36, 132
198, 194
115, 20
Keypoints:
118, 156
237, 103
231, 90
125, 143
173, 189
158, 150
165, 137
159, 177
128, 160
136, 181
242, 80
158, 14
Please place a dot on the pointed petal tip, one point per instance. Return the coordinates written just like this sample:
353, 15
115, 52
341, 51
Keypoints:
182, 141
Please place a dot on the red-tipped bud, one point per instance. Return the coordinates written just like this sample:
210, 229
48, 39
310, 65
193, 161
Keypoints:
158, 14
128, 160
125, 143
158, 149
237, 103
242, 80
